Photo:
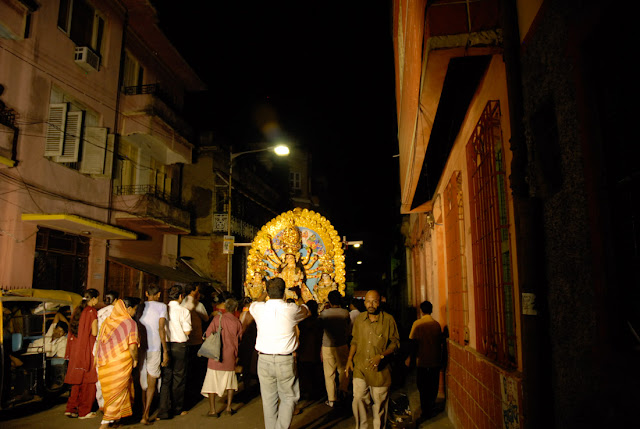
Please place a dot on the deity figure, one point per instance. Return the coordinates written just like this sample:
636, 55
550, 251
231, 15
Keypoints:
291, 267
257, 287
323, 287
297, 246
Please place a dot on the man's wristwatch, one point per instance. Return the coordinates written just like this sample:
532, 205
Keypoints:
381, 357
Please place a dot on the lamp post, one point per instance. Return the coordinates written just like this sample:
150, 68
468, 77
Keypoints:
280, 150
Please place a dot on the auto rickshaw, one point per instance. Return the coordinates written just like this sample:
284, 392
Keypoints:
27, 371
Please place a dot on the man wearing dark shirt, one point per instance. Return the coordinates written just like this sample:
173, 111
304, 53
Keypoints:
426, 352
375, 338
335, 323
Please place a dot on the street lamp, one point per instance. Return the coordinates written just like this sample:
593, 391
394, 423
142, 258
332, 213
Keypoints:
280, 150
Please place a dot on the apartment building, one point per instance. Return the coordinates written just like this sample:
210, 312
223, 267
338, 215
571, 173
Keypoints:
92, 144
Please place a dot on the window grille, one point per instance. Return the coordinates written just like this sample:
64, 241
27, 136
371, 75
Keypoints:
456, 276
491, 249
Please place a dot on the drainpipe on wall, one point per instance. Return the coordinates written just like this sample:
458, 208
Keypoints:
116, 139
537, 406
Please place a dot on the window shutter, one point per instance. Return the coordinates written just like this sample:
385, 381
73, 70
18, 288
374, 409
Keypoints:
108, 158
94, 150
73, 131
55, 129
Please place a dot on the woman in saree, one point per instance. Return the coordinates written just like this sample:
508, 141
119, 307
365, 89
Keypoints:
81, 372
116, 356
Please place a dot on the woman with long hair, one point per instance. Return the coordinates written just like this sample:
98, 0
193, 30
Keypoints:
117, 355
81, 372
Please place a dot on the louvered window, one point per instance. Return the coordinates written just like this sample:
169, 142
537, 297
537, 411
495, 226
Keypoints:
71, 142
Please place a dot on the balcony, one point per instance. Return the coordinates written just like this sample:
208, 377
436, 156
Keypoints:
151, 118
239, 227
146, 208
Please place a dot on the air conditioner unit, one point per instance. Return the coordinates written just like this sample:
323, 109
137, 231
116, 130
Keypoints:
87, 59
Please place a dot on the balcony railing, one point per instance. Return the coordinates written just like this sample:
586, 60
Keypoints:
166, 106
238, 227
153, 89
148, 190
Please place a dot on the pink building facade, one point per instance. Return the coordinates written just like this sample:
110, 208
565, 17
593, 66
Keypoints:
91, 147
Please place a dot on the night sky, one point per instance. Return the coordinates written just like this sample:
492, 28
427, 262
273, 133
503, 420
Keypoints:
325, 71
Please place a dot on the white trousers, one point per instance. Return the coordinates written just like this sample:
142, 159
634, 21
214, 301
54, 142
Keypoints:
380, 398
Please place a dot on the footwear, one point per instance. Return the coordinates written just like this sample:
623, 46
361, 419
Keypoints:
330, 403
71, 415
230, 412
88, 416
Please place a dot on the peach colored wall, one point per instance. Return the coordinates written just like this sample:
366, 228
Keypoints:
474, 397
148, 248
474, 390
97, 265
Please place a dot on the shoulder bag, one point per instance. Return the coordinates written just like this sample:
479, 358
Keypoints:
212, 346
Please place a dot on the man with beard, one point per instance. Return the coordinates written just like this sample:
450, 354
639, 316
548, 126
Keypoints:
375, 337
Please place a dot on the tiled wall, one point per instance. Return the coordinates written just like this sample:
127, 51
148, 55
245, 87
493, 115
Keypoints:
481, 395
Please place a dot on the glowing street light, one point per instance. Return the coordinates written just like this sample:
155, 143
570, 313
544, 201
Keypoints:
280, 150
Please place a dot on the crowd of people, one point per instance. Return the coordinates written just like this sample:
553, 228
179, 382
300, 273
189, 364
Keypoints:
287, 349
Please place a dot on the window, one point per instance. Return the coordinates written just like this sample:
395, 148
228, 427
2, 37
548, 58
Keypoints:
295, 181
74, 138
82, 23
133, 71
456, 276
61, 261
491, 248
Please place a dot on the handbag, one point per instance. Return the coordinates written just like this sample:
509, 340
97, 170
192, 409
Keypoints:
212, 346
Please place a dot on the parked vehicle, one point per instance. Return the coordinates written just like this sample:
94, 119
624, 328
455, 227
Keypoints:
27, 372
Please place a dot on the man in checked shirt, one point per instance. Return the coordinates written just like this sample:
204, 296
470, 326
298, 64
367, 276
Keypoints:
375, 337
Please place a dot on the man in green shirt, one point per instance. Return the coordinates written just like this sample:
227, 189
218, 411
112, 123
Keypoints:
375, 337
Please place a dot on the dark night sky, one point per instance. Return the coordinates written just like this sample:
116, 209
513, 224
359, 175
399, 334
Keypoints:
325, 69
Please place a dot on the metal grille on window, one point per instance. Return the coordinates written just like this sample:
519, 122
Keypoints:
491, 249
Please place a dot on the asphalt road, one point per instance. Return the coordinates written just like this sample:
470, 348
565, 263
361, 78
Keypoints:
313, 415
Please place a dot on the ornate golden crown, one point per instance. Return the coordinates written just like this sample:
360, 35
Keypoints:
291, 239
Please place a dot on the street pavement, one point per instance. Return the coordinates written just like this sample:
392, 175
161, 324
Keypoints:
313, 415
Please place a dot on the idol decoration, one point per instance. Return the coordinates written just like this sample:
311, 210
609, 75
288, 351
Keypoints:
301, 247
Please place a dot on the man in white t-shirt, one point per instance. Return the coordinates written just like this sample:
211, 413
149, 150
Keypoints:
276, 341
154, 353
177, 329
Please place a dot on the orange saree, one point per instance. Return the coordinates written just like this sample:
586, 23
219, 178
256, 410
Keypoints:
115, 363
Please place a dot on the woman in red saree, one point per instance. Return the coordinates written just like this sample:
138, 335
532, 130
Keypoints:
116, 357
81, 372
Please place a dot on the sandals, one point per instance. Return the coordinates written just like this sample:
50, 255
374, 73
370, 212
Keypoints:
90, 415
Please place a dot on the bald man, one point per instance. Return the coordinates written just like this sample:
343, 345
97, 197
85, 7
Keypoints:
375, 338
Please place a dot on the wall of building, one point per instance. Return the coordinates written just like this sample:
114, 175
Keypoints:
30, 69
474, 383
575, 83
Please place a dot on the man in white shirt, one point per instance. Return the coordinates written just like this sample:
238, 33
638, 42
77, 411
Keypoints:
54, 342
154, 352
276, 321
54, 345
178, 328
